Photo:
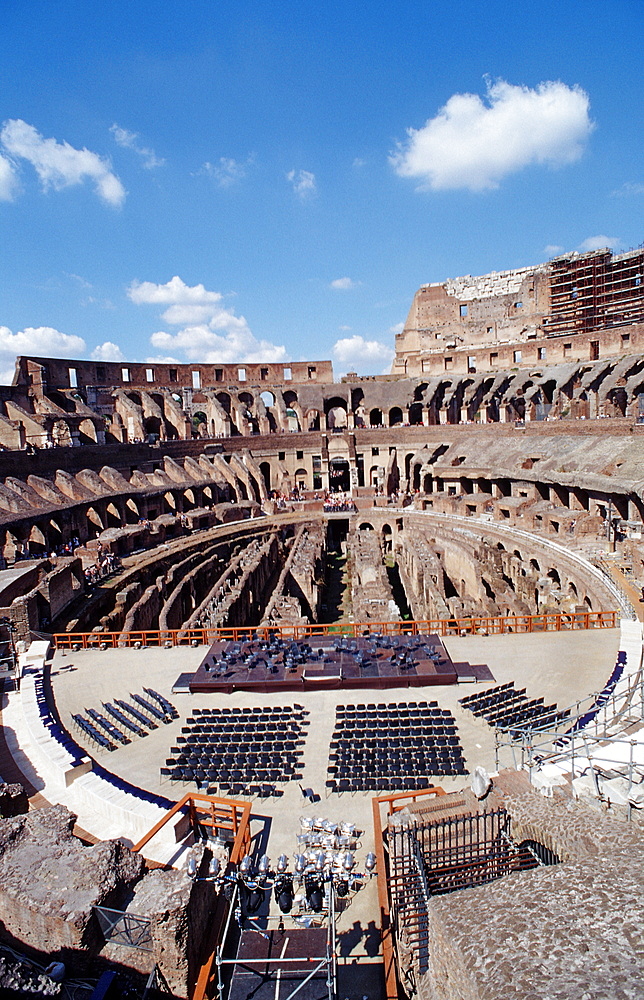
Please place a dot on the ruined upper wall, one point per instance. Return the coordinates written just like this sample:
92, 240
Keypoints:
54, 373
481, 323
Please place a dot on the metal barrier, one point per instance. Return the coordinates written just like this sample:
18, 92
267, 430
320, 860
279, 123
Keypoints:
474, 625
394, 803
121, 927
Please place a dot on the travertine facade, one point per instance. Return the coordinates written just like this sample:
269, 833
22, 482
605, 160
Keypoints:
579, 307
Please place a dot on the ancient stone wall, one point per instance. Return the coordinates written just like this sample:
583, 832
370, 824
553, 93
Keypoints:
580, 307
569, 931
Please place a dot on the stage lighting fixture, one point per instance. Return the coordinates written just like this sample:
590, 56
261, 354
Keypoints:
284, 893
245, 865
348, 861
264, 864
192, 867
370, 862
300, 863
214, 867
253, 898
319, 861
314, 894
282, 863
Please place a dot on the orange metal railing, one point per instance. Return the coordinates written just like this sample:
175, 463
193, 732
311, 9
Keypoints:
479, 624
394, 803
219, 814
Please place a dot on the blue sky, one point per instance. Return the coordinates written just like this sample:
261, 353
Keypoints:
233, 182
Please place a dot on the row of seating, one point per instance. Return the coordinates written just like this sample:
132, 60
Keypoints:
235, 751
93, 733
506, 708
125, 720
78, 754
409, 709
401, 745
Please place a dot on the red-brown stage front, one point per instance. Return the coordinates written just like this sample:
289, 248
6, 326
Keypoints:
370, 661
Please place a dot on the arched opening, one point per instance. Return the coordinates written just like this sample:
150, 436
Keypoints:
374, 478
336, 413
169, 503
265, 469
131, 511
37, 545
267, 398
55, 535
375, 417
292, 419
247, 399
112, 516
339, 475
152, 428
301, 479
189, 502
62, 401
553, 575
395, 416
386, 538
365, 526
224, 401
535, 566
416, 414
87, 432
94, 518
199, 424
313, 420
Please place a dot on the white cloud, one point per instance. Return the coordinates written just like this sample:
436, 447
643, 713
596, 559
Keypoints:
108, 351
627, 189
128, 141
357, 351
552, 249
210, 332
397, 327
474, 144
303, 182
186, 304
342, 284
345, 328
227, 171
9, 184
599, 242
41, 342
359, 162
58, 164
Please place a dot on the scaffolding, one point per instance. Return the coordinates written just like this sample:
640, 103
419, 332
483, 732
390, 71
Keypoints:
595, 291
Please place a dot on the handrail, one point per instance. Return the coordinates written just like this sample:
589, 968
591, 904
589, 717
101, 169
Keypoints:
474, 624
386, 934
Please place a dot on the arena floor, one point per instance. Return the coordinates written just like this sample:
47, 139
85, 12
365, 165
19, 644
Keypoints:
560, 666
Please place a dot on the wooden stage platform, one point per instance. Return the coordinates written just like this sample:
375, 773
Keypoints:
371, 661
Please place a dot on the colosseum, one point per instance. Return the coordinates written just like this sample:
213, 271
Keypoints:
205, 568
